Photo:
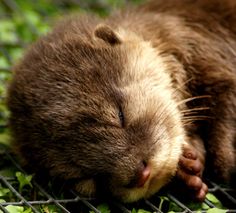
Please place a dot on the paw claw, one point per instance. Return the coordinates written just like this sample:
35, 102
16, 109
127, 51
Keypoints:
190, 154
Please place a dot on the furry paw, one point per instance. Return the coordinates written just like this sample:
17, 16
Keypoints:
190, 174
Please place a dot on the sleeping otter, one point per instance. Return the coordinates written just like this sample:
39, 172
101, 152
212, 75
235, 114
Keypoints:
128, 102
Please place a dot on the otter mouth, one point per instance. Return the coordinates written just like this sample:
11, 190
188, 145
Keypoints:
147, 185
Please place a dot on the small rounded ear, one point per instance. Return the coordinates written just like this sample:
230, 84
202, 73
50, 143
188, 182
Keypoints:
105, 33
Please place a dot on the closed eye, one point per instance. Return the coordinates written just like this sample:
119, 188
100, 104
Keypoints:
121, 117
89, 120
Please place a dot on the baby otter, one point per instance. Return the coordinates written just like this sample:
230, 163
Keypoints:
126, 103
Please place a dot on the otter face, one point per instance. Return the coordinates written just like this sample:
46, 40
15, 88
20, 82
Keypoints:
100, 112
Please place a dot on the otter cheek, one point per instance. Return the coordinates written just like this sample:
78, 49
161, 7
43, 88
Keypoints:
86, 187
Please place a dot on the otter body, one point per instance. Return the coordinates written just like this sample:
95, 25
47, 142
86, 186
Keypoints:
127, 103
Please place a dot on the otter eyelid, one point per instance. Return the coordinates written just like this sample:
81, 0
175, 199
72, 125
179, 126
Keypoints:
121, 117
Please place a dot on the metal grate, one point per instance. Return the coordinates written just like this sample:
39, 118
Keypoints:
17, 30
40, 198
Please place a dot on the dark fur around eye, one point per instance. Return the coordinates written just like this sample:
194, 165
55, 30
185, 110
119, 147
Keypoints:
89, 120
121, 117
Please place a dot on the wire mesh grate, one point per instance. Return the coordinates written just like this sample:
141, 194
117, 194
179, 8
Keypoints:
21, 22
75, 203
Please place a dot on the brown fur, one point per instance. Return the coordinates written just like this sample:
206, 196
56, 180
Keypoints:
95, 98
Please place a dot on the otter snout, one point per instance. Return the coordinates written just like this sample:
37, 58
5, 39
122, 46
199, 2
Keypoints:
141, 176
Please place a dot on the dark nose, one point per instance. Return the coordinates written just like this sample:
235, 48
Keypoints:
142, 174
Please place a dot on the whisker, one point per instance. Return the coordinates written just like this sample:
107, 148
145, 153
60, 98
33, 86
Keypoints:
188, 115
197, 109
196, 118
181, 87
192, 99
200, 116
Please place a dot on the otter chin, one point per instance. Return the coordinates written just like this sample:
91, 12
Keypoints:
160, 175
123, 105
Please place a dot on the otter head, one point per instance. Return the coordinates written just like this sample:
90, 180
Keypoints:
99, 109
